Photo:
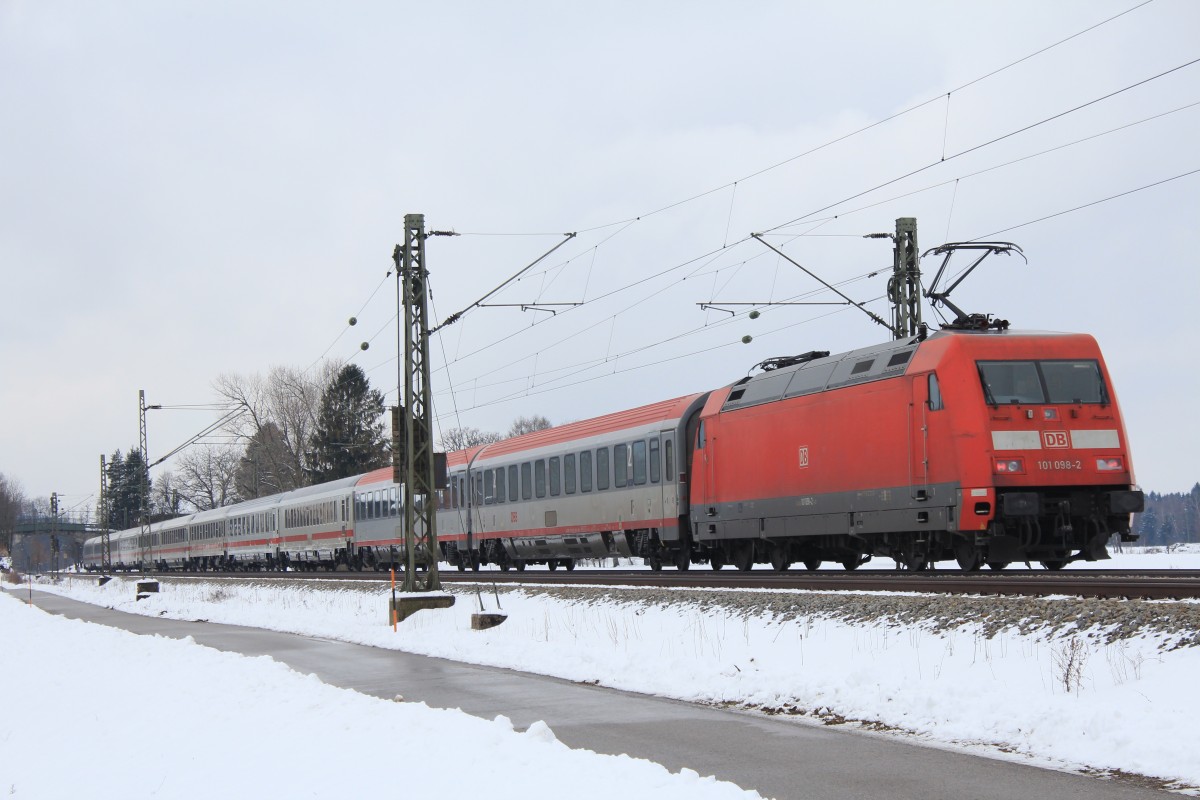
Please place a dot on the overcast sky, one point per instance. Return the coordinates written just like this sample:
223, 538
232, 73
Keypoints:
196, 188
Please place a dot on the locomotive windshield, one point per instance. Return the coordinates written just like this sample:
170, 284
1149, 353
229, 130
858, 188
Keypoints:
1036, 382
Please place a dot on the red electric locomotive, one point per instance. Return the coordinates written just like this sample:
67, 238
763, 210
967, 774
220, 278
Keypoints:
984, 446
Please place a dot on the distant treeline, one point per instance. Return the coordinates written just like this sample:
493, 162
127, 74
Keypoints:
1169, 518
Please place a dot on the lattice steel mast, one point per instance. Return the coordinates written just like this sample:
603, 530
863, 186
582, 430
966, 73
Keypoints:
415, 463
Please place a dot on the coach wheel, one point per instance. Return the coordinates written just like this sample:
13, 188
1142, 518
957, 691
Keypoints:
462, 565
569, 564
812, 564
1055, 565
717, 559
743, 559
683, 558
997, 565
779, 559
520, 566
851, 563
967, 556
475, 562
552, 565
655, 561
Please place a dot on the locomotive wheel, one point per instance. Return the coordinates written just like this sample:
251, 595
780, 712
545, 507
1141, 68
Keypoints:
967, 556
717, 559
552, 565
812, 564
851, 563
520, 566
504, 565
569, 564
743, 559
997, 565
779, 559
1054, 565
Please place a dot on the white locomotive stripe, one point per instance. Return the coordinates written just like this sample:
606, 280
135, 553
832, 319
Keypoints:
1016, 440
1095, 440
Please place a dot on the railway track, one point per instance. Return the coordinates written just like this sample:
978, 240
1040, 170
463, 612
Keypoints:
1143, 584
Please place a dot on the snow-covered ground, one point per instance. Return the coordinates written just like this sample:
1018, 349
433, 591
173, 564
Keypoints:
1085, 684
259, 729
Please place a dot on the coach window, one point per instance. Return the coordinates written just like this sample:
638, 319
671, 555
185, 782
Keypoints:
555, 476
539, 477
669, 456
935, 393
602, 472
477, 498
512, 484
500, 490
585, 471
526, 481
639, 462
462, 491
655, 461
489, 487
569, 473
620, 465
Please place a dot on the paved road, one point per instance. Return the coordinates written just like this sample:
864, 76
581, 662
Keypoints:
778, 758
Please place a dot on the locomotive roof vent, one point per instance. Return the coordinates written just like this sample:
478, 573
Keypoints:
964, 321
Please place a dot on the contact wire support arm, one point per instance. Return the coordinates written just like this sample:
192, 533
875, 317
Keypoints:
456, 316
828, 285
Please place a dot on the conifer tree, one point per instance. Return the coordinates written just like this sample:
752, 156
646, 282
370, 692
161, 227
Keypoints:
349, 437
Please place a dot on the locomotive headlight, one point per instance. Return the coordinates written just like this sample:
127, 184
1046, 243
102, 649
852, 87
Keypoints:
1111, 464
1009, 466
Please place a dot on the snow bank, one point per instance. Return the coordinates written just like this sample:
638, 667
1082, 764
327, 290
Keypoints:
94, 712
1105, 685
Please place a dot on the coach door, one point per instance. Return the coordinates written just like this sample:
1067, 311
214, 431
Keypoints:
662, 473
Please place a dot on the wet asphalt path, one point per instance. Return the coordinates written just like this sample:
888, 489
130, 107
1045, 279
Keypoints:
777, 757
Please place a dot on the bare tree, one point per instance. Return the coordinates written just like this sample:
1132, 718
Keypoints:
287, 398
524, 425
206, 476
12, 500
462, 438
165, 499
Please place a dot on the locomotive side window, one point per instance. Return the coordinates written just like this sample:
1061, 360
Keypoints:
620, 465
512, 484
585, 471
639, 462
500, 490
526, 481
569, 473
602, 468
669, 454
655, 461
700, 437
539, 477
935, 393
555, 477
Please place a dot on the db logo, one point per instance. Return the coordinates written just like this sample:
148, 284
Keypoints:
514, 516
1055, 439
803, 457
